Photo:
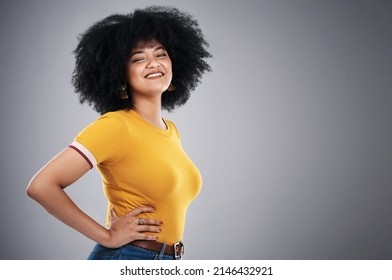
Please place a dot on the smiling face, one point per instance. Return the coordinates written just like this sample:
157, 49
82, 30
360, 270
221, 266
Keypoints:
149, 69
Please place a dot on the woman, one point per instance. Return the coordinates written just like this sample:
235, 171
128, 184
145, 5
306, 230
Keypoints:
129, 68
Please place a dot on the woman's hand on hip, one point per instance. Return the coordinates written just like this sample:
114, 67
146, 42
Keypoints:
129, 227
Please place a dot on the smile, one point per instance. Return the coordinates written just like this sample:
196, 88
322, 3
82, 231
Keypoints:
154, 75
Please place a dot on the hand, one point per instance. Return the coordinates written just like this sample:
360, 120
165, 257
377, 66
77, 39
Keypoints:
129, 227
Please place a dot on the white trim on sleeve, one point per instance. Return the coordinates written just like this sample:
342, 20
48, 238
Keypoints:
84, 152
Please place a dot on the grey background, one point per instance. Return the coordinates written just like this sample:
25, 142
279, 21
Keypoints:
291, 131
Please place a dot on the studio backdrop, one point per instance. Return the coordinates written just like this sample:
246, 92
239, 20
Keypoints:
291, 130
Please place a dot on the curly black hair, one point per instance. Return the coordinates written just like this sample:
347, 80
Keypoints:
104, 49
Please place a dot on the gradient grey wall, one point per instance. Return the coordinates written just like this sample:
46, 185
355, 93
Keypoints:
292, 130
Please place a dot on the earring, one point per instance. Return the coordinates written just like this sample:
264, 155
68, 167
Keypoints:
171, 87
123, 91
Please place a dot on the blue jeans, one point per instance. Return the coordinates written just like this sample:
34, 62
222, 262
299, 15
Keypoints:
127, 252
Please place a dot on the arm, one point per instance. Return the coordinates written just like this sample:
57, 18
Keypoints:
47, 188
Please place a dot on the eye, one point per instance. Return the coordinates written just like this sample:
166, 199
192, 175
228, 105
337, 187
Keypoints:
137, 59
161, 55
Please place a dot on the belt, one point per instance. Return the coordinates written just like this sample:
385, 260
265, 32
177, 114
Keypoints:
176, 250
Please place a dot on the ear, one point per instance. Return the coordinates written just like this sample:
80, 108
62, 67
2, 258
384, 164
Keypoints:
171, 87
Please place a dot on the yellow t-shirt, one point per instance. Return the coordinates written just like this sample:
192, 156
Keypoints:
141, 164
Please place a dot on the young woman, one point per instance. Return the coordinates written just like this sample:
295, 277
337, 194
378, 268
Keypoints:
129, 68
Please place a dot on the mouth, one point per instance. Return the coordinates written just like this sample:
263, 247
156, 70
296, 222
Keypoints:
154, 75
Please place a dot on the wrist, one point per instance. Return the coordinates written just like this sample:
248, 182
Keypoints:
106, 239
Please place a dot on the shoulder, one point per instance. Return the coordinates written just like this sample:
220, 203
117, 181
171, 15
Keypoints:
115, 116
111, 120
107, 124
104, 138
172, 126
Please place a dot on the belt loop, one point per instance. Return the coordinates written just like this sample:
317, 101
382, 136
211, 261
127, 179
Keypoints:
160, 256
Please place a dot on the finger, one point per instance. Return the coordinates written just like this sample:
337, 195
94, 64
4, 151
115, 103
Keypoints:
147, 237
146, 221
113, 213
140, 210
145, 228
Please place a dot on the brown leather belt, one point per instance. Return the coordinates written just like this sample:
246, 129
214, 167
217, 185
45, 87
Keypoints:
176, 250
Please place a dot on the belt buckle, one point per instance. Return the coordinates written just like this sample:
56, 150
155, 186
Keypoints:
176, 245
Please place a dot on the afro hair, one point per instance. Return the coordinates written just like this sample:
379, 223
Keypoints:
104, 49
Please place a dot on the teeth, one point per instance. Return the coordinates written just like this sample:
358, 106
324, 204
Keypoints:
153, 75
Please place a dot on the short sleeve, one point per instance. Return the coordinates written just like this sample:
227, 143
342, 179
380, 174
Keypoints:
102, 142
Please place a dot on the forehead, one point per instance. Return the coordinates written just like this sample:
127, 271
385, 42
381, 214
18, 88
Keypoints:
142, 44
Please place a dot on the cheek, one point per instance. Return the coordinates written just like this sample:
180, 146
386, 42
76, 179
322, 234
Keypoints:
169, 70
131, 75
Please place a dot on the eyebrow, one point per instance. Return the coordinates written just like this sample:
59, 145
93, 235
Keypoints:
142, 51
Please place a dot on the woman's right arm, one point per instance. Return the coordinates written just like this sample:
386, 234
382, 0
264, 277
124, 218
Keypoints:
47, 188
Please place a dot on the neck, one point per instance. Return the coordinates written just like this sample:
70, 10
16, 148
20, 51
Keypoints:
150, 110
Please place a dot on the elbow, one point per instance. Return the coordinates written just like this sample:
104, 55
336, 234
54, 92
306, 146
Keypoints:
32, 189
41, 188
36, 187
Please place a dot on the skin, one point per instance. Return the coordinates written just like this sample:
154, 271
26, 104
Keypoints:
47, 186
145, 59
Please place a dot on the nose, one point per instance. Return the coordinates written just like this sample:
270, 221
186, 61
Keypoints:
152, 63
